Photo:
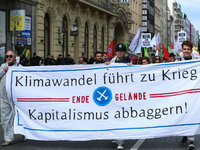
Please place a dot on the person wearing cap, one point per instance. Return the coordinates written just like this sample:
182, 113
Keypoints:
35, 60
60, 60
120, 58
120, 55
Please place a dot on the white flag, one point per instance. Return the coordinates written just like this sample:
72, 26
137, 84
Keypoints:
136, 43
153, 41
158, 38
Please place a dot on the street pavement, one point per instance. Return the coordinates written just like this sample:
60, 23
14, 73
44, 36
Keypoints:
169, 143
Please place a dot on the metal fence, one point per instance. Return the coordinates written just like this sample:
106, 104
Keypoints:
103, 3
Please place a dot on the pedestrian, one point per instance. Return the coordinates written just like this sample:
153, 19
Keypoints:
69, 60
53, 61
7, 106
185, 55
98, 58
81, 62
120, 58
60, 60
35, 60
104, 55
47, 61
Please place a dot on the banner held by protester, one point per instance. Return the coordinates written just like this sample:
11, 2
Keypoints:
90, 102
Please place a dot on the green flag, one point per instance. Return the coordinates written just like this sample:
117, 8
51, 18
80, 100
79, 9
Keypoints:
126, 47
24, 51
169, 49
162, 53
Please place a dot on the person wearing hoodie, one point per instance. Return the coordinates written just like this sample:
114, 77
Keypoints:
185, 55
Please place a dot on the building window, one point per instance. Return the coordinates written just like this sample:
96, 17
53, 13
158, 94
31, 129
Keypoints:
95, 40
86, 49
144, 24
46, 35
144, 17
65, 37
144, 12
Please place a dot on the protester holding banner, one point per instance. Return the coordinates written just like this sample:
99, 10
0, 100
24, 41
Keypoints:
145, 61
7, 106
187, 55
120, 56
157, 59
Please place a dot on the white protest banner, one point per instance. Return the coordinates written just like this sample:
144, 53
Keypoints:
88, 102
146, 40
181, 37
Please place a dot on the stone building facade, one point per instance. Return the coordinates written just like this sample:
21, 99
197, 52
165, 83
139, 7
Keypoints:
98, 23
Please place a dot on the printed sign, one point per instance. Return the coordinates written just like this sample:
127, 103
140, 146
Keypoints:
80, 102
17, 19
181, 37
146, 40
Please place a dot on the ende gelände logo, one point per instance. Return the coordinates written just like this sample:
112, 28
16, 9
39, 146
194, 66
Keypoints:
102, 96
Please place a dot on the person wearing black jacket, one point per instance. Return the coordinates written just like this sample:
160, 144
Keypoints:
35, 60
69, 60
47, 61
60, 60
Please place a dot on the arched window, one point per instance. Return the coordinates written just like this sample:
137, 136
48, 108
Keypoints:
102, 39
86, 49
46, 35
65, 37
95, 40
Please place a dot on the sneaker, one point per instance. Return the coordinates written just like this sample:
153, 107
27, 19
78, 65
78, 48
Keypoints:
120, 147
114, 141
191, 146
184, 141
7, 143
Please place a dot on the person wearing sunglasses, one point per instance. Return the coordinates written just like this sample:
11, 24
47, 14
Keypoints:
7, 106
157, 59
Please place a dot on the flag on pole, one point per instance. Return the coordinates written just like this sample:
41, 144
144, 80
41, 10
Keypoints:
126, 47
136, 43
110, 51
145, 52
158, 38
24, 51
157, 49
153, 41
172, 46
162, 53
166, 53
169, 49
28, 54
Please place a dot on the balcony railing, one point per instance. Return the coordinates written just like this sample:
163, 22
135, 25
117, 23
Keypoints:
102, 3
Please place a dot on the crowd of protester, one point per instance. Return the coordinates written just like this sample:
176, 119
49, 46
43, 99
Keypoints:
99, 58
